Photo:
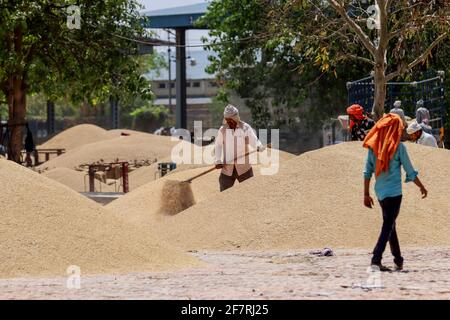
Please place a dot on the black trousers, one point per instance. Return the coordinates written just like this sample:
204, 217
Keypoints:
227, 181
391, 208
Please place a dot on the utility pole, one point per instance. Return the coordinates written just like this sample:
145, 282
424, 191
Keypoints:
169, 60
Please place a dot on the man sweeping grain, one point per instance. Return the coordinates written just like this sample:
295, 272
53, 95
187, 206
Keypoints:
360, 123
232, 148
385, 156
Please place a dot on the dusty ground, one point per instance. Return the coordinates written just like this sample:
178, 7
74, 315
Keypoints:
260, 275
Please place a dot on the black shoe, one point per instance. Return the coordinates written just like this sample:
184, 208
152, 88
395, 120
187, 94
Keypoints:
380, 267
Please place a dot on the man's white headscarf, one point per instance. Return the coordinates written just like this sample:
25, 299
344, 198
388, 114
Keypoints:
399, 111
413, 127
231, 112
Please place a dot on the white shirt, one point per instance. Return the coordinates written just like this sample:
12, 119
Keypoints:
233, 144
427, 139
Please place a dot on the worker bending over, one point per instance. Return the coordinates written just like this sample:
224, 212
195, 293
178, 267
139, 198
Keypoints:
417, 134
232, 148
385, 156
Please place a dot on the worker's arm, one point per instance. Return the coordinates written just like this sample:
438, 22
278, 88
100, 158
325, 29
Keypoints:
368, 201
218, 147
254, 141
411, 174
368, 171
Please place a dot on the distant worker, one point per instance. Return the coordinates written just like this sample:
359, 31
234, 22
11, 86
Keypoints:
360, 123
423, 117
29, 146
235, 135
417, 134
159, 131
399, 111
385, 156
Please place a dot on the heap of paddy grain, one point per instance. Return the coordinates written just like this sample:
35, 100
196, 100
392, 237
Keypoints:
168, 195
46, 227
76, 136
149, 202
315, 200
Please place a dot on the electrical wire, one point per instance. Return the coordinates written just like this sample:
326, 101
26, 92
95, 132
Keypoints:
156, 44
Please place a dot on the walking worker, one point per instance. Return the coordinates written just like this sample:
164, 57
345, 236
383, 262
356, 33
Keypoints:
360, 123
386, 154
232, 148
418, 135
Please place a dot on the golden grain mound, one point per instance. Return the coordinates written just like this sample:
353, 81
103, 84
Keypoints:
143, 204
46, 227
76, 136
77, 180
314, 201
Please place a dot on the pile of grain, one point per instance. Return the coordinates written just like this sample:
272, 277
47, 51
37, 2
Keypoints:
125, 148
143, 204
76, 136
314, 201
46, 227
77, 180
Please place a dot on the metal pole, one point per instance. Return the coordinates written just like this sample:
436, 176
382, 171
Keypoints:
125, 181
50, 117
91, 179
169, 59
114, 103
180, 111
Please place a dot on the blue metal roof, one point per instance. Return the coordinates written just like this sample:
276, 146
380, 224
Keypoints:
177, 17
196, 72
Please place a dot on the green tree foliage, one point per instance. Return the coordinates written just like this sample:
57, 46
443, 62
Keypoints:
285, 50
39, 52
392, 37
266, 67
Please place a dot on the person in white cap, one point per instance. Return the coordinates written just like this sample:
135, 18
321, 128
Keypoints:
416, 134
232, 147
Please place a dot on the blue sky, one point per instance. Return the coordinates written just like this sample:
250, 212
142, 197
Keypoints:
193, 36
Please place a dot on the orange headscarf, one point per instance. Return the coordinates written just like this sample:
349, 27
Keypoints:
357, 111
384, 139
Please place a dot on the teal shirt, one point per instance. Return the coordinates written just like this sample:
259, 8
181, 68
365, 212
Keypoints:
389, 183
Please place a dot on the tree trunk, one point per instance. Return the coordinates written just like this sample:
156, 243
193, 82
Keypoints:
380, 83
380, 95
17, 112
